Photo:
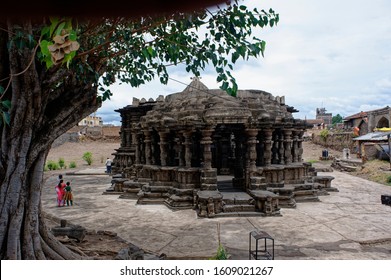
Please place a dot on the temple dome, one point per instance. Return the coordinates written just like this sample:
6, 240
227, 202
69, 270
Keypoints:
197, 104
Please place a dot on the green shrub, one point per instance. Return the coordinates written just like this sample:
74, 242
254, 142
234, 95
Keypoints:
61, 163
389, 179
87, 156
72, 164
324, 133
221, 253
52, 165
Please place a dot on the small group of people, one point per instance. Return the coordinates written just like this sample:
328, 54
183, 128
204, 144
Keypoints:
64, 192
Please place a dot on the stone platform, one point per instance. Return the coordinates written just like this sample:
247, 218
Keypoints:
351, 224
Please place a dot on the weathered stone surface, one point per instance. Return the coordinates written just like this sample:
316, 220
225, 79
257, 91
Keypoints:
188, 139
76, 232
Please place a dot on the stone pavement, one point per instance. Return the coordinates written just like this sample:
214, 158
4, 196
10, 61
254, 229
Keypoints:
351, 224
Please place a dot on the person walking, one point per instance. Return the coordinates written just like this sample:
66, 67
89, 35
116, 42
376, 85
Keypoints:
108, 165
68, 196
60, 193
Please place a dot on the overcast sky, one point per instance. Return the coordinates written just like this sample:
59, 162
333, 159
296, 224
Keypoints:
334, 54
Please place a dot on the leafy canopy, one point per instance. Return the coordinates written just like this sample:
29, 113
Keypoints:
137, 50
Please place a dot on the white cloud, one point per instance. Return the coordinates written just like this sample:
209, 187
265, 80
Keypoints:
332, 53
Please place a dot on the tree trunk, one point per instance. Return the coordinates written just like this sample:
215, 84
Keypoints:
39, 114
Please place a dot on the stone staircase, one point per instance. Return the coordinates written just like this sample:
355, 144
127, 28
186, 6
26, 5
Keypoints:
237, 202
220, 198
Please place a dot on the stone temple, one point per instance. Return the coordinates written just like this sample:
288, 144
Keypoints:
218, 154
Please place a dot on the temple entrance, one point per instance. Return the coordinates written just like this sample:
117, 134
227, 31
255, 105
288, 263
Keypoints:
228, 157
225, 184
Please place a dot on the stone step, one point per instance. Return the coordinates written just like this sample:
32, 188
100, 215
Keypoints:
307, 199
240, 214
257, 180
302, 187
239, 208
237, 198
207, 180
305, 193
147, 200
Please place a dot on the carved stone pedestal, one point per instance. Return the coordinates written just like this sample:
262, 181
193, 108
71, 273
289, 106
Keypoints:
266, 202
209, 203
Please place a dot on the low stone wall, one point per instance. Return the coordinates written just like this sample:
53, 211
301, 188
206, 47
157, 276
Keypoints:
108, 133
336, 141
66, 137
111, 130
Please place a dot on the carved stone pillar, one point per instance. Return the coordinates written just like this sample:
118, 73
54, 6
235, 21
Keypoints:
288, 145
128, 137
181, 156
252, 149
187, 143
281, 149
123, 130
268, 146
300, 146
137, 152
163, 147
147, 141
295, 146
206, 142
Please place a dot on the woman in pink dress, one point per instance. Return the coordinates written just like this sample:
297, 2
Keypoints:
60, 190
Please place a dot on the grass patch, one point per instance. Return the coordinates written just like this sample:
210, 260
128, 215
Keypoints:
376, 170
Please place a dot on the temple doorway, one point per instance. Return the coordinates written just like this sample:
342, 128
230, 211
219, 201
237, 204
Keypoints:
228, 157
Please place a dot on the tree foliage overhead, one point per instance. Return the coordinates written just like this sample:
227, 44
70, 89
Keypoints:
137, 51
55, 71
336, 119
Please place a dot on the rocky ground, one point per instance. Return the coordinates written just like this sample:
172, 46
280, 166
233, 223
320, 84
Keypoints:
106, 245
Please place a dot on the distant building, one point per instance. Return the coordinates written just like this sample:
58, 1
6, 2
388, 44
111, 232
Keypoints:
316, 124
359, 121
322, 115
91, 121
367, 121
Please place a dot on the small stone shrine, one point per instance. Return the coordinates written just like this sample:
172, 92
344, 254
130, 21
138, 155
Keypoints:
218, 154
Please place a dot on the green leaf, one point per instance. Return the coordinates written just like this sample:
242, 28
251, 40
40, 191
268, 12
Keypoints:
44, 47
68, 58
6, 104
60, 28
54, 21
235, 56
72, 35
263, 46
45, 32
224, 86
6, 118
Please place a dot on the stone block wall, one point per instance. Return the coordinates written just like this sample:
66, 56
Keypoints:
111, 130
336, 141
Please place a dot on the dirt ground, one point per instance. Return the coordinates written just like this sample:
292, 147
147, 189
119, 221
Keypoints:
73, 151
105, 245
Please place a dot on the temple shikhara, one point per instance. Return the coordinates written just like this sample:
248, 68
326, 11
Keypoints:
218, 154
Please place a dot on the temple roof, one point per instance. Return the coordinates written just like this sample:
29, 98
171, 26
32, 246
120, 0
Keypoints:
195, 85
198, 105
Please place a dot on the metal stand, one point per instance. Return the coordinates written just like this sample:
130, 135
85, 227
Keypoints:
261, 253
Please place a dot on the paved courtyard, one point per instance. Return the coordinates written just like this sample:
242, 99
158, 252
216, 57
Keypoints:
350, 224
